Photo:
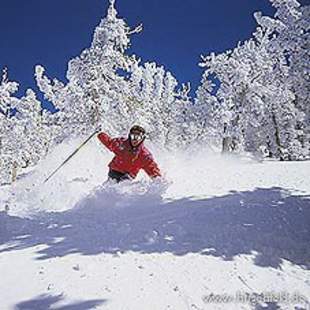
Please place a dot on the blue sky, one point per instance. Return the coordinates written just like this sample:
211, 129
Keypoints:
175, 33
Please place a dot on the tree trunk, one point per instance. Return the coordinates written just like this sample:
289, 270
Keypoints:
14, 172
226, 143
277, 136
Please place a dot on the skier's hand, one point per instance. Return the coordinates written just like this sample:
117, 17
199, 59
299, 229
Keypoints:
98, 128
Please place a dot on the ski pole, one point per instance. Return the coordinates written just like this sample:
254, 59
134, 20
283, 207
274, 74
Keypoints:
70, 156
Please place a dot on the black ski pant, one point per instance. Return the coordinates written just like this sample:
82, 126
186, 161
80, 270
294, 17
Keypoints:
119, 176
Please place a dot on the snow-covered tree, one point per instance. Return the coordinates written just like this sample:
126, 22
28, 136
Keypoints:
37, 136
24, 137
257, 106
207, 113
293, 39
8, 132
98, 87
160, 104
108, 86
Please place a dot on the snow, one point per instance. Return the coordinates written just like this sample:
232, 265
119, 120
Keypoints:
219, 225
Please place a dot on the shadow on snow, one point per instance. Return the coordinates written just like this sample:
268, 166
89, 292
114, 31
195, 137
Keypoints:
46, 302
270, 222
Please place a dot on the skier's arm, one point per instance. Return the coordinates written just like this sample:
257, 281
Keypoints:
151, 167
111, 144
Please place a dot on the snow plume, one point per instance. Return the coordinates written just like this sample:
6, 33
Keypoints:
81, 179
196, 172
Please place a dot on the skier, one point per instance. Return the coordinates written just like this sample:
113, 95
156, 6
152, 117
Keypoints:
130, 155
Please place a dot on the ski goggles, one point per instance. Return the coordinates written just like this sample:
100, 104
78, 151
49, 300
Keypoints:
137, 136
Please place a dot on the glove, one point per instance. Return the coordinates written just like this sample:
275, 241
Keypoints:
98, 128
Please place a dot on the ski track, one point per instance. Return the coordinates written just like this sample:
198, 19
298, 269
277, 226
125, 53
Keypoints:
218, 226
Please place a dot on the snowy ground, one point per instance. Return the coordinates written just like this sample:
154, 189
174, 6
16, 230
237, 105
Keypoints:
231, 227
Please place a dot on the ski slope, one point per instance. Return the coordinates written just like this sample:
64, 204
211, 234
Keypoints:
232, 227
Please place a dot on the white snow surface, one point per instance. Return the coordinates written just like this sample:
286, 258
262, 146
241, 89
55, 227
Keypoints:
226, 227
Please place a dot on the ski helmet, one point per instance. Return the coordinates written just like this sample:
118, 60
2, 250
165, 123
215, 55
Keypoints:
137, 128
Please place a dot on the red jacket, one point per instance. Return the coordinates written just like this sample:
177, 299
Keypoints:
129, 159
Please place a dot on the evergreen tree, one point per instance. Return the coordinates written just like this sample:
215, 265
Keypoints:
160, 105
96, 91
24, 136
108, 86
259, 108
8, 130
